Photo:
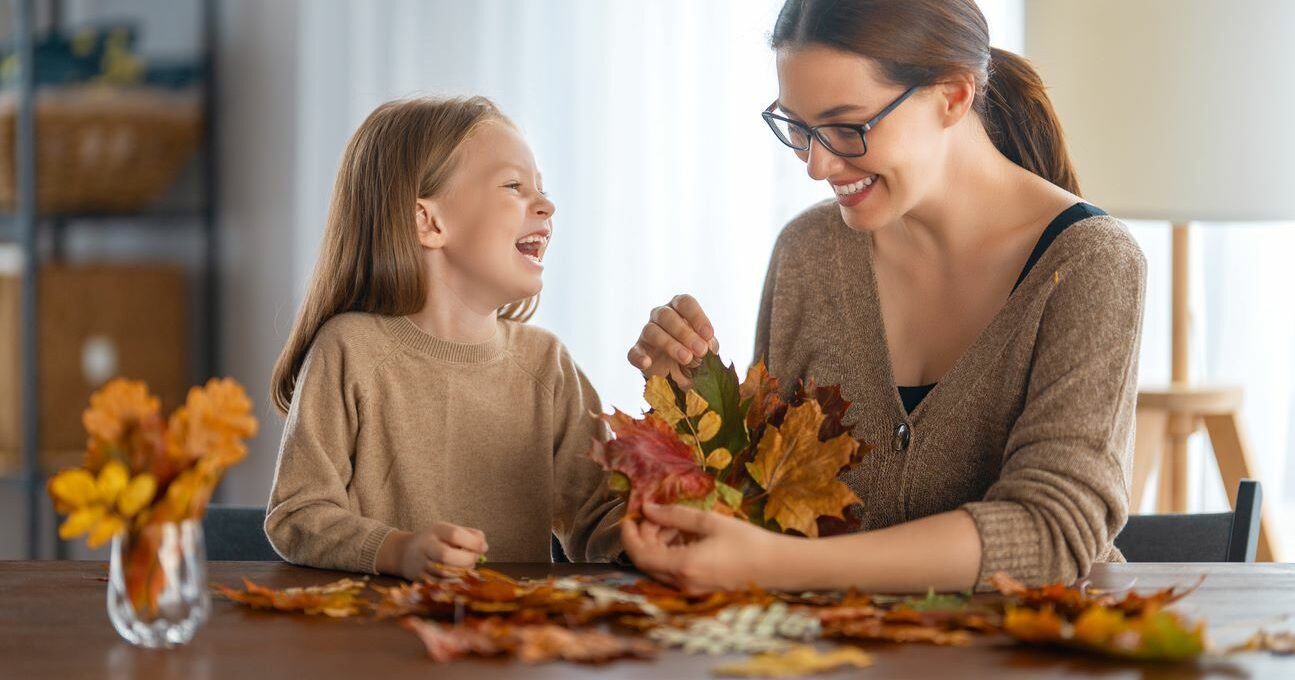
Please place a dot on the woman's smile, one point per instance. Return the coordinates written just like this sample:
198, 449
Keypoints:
854, 192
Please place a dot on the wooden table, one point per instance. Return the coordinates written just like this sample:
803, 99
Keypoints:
53, 624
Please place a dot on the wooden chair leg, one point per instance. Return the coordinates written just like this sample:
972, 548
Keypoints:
1148, 446
1233, 456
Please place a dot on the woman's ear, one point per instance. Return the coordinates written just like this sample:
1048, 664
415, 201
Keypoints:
429, 224
957, 94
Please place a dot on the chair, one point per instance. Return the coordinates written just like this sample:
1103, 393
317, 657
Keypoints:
1200, 537
555, 551
235, 532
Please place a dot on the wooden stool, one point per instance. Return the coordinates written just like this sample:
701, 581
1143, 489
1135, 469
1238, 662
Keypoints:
1166, 418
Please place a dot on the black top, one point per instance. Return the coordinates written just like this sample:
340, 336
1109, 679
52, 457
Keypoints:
912, 396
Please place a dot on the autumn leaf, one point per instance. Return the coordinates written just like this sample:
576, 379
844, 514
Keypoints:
760, 392
528, 643
338, 599
1152, 635
718, 385
651, 458
880, 630
799, 471
796, 662
1133, 626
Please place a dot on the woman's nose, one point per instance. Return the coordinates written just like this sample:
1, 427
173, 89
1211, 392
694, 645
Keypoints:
820, 162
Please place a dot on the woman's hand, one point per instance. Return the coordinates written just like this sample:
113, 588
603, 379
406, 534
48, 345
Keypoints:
698, 551
415, 556
674, 340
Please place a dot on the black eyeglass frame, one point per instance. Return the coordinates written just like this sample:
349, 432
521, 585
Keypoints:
861, 128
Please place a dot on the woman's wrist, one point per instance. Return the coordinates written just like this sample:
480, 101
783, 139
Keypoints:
771, 565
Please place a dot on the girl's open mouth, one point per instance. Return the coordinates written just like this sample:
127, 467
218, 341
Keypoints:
532, 247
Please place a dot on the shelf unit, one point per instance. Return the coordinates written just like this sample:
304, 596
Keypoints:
25, 228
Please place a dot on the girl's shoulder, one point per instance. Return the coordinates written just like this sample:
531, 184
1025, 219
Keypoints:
353, 334
538, 351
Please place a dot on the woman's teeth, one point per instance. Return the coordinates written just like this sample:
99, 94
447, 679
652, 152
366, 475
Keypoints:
854, 188
532, 247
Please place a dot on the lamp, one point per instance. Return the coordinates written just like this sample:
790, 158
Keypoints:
1177, 110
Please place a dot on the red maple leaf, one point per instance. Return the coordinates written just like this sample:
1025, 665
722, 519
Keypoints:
648, 455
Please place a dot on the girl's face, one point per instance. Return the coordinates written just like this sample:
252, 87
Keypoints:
494, 219
818, 85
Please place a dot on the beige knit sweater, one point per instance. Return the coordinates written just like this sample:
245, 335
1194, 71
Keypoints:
392, 428
1031, 430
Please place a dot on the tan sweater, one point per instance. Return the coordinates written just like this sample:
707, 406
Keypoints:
392, 428
1030, 431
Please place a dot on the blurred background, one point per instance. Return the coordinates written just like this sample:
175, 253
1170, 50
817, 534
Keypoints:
185, 151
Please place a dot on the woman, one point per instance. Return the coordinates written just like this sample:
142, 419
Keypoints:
984, 320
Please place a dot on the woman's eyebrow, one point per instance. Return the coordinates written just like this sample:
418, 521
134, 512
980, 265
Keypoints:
830, 113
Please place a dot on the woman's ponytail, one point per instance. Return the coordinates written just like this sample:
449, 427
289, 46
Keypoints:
1022, 123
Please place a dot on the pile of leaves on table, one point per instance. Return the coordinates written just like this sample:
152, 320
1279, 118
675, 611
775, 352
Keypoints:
595, 619
739, 449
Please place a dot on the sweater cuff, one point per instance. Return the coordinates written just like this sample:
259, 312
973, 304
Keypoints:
1009, 542
369, 550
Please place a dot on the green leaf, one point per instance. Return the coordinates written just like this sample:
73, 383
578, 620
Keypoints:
731, 497
719, 386
938, 602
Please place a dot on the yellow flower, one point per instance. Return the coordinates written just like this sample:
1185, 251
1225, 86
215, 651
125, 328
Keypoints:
137, 495
99, 505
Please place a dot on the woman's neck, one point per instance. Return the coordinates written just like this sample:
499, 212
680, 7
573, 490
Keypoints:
450, 316
977, 194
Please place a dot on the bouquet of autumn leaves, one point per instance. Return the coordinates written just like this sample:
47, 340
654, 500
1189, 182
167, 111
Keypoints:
738, 449
142, 471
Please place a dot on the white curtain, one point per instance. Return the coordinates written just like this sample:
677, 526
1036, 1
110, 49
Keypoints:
644, 117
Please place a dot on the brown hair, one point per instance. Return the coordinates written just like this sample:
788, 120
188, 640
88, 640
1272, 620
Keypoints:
370, 259
921, 42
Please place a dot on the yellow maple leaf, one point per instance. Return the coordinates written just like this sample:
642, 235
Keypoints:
800, 472
798, 661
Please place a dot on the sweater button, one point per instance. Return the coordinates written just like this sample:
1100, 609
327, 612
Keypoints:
902, 436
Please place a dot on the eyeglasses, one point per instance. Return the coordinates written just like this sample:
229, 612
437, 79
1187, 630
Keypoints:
842, 139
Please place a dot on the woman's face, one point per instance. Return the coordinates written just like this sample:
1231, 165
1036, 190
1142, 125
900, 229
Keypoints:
818, 85
496, 219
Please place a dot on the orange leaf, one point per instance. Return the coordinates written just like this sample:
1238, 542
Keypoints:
338, 599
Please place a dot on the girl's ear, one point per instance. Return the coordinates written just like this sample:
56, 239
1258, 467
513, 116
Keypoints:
957, 94
429, 223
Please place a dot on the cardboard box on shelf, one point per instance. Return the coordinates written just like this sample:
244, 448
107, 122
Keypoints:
96, 322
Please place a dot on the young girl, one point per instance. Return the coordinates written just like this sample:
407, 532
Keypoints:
426, 422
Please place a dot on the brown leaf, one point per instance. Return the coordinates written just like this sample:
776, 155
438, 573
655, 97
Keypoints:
761, 391
799, 471
528, 643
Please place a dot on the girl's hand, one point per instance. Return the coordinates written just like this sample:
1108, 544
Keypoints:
416, 555
698, 551
674, 340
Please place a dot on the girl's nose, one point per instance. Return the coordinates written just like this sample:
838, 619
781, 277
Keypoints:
545, 207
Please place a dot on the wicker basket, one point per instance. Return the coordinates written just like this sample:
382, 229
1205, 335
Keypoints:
101, 149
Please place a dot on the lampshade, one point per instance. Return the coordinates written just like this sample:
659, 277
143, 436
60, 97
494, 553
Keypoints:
1180, 110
